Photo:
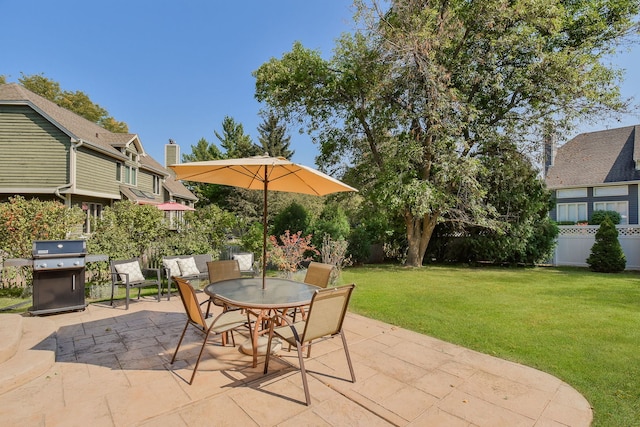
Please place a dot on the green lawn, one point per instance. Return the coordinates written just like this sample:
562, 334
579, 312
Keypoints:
580, 326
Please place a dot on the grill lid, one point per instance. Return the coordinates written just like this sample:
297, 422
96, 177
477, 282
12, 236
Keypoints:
59, 248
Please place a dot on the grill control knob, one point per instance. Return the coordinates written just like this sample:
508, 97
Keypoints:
61, 264
43, 265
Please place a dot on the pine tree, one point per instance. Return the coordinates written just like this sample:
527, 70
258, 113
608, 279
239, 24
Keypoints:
606, 253
235, 142
273, 137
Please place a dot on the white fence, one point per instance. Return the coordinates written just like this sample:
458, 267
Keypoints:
575, 242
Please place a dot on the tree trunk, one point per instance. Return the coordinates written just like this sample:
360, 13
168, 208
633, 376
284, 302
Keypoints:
419, 231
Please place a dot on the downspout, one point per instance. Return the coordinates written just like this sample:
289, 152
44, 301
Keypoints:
75, 143
73, 162
57, 192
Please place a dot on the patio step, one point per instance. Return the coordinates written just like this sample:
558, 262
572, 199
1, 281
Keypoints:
27, 349
10, 335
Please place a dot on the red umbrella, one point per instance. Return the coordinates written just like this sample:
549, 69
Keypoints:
173, 206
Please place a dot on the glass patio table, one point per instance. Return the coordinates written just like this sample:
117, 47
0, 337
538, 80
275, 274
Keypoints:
248, 294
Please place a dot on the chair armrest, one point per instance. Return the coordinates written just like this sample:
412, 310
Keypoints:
286, 323
116, 279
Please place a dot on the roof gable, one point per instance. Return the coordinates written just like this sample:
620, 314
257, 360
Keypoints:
597, 158
91, 134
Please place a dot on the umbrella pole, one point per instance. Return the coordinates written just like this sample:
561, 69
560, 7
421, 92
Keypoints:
264, 232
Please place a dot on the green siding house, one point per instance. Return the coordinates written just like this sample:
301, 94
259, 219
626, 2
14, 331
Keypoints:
51, 153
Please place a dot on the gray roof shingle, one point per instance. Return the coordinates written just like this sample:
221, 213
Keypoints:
597, 158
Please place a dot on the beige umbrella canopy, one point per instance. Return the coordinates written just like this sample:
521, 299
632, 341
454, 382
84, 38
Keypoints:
261, 173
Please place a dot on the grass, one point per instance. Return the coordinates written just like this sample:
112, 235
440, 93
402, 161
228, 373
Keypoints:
579, 326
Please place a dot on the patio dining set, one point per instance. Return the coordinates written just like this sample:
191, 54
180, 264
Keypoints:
272, 310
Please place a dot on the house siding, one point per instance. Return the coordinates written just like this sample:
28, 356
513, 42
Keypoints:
145, 181
28, 142
96, 173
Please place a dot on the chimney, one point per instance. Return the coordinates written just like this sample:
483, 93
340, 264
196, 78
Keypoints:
171, 153
550, 148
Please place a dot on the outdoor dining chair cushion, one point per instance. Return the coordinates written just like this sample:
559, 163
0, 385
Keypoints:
132, 269
172, 265
188, 267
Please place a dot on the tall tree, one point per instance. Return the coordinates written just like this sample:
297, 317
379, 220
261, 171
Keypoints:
408, 102
235, 142
203, 151
273, 137
207, 193
77, 101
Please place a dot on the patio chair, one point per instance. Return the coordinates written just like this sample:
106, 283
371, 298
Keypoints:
245, 260
324, 321
129, 274
318, 274
227, 321
222, 270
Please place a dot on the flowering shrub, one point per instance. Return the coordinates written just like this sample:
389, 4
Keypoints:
334, 253
294, 250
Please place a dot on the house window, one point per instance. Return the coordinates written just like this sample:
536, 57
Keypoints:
156, 184
614, 190
130, 175
620, 207
94, 211
571, 212
571, 192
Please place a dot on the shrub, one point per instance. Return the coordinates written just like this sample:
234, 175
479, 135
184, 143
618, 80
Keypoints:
289, 255
359, 244
334, 252
606, 253
599, 216
333, 222
293, 218
23, 221
127, 230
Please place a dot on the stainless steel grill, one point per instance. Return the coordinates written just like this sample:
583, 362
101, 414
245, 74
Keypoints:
58, 276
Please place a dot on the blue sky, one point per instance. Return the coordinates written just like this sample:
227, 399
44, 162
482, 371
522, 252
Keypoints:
175, 69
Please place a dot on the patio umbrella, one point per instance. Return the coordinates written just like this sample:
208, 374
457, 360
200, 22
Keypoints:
261, 173
174, 206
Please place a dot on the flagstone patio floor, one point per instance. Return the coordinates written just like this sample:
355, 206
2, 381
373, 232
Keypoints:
112, 368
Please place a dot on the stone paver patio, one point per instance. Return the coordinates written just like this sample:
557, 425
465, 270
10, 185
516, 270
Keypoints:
112, 369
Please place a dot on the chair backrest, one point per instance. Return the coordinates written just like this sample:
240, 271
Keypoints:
116, 270
326, 312
318, 274
223, 270
245, 261
190, 301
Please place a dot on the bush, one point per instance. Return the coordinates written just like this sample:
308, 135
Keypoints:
599, 216
24, 221
606, 253
293, 218
359, 245
127, 230
333, 222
